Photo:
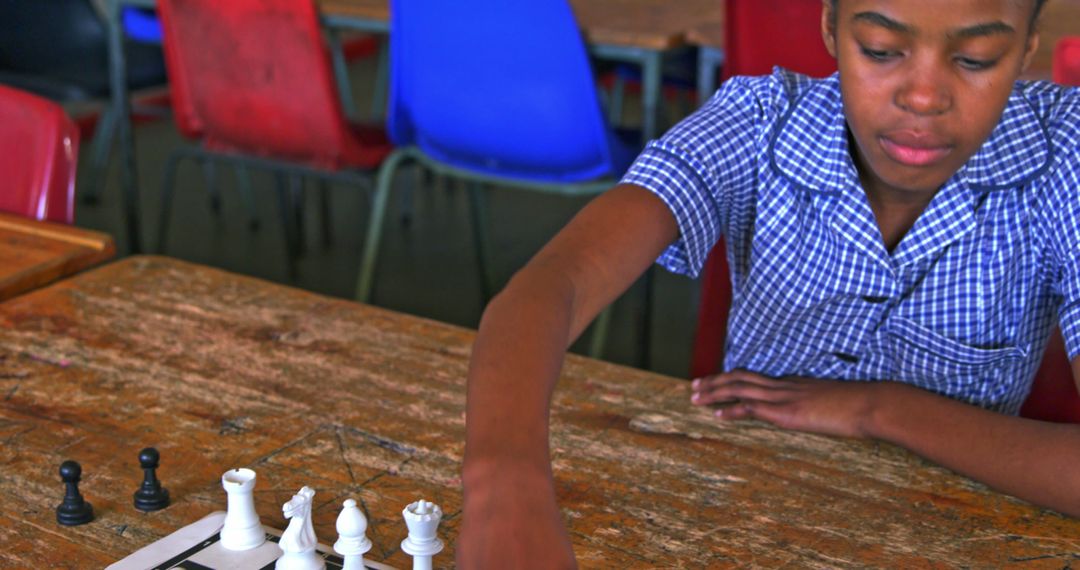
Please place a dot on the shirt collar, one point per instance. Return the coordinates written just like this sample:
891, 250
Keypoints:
810, 145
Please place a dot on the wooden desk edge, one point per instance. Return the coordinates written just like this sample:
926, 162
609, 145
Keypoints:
97, 241
97, 247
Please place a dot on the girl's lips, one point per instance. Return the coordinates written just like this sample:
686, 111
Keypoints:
914, 154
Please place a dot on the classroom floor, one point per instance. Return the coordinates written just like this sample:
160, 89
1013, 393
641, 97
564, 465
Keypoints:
427, 268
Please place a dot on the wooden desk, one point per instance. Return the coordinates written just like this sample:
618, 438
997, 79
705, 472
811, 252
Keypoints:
34, 253
651, 24
220, 371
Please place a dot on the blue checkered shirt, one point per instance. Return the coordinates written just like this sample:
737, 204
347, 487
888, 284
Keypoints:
963, 306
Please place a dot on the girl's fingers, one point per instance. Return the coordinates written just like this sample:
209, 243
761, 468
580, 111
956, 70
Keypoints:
739, 390
776, 413
702, 384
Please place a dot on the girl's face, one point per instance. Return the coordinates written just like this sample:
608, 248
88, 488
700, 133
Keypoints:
925, 82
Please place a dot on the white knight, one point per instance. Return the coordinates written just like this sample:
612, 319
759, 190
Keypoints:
298, 542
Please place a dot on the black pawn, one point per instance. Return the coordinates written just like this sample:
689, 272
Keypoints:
74, 510
151, 496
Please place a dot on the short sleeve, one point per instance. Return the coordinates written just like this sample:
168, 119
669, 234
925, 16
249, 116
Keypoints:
1066, 234
705, 168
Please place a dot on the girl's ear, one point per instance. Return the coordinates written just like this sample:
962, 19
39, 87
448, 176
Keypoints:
1031, 47
828, 26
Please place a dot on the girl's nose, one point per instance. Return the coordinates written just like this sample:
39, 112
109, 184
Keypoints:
926, 92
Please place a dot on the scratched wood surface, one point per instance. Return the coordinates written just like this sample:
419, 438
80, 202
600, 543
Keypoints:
220, 371
649, 24
34, 253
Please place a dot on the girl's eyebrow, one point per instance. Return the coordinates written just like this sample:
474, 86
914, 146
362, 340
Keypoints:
879, 19
987, 29
977, 30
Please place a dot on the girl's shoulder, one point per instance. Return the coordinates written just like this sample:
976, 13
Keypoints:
1058, 109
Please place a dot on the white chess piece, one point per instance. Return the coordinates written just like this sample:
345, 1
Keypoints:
242, 529
298, 542
352, 540
422, 518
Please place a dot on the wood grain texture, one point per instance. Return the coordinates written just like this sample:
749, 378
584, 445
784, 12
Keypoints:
34, 253
220, 371
649, 24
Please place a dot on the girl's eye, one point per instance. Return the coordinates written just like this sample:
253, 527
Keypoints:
974, 64
877, 54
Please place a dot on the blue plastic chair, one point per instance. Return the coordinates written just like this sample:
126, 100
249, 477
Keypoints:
141, 25
499, 93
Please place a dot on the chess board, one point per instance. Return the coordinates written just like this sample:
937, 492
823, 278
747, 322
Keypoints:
197, 546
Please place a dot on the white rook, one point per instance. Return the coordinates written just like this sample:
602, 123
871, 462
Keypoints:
242, 529
422, 518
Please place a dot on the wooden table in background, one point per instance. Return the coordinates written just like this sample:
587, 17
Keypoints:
219, 371
34, 253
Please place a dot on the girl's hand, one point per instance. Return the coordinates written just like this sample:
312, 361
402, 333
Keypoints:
805, 404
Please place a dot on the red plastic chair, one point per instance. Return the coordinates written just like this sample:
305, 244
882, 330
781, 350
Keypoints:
253, 81
1054, 395
759, 34
39, 149
1067, 61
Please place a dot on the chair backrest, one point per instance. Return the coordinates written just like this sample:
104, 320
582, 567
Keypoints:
1054, 396
762, 33
1067, 61
254, 76
497, 86
141, 24
759, 34
39, 149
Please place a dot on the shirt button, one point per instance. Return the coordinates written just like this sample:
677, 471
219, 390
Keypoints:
873, 299
849, 358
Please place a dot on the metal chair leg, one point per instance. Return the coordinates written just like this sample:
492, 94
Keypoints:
209, 168
285, 207
99, 157
369, 258
481, 240
327, 217
382, 73
645, 330
600, 328
341, 73
243, 183
166, 198
618, 97
405, 203
296, 193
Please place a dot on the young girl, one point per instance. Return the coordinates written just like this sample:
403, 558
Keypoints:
903, 236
